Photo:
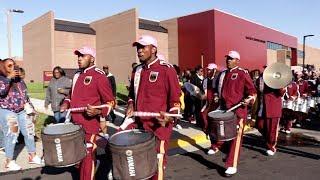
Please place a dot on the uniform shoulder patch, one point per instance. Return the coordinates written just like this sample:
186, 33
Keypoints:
165, 63
99, 71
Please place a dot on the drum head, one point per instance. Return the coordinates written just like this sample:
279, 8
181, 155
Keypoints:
130, 137
62, 128
221, 114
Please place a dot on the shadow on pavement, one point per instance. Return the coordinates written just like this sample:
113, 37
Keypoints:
196, 156
285, 144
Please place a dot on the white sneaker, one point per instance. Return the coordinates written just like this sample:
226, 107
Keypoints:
288, 132
178, 126
230, 171
298, 125
13, 166
270, 153
212, 152
36, 160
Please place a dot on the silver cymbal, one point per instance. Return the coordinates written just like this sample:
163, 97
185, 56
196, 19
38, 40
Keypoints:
277, 75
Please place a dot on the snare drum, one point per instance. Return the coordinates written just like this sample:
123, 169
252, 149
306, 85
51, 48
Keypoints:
63, 144
287, 104
311, 102
300, 105
223, 125
134, 154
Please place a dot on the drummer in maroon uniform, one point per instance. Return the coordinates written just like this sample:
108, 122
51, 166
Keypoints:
234, 84
89, 89
269, 113
211, 103
154, 88
291, 94
304, 92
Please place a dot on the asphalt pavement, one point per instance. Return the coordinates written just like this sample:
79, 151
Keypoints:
298, 157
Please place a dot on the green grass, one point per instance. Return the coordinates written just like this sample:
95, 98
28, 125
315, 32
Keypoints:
37, 91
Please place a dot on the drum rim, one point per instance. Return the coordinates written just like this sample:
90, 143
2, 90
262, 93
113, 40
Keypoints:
124, 131
223, 111
60, 124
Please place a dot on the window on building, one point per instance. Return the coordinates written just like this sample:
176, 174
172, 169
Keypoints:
300, 54
275, 46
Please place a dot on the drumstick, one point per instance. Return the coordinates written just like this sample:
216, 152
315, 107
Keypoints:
153, 114
135, 113
238, 105
84, 108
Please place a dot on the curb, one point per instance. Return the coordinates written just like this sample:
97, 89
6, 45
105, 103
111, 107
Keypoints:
199, 138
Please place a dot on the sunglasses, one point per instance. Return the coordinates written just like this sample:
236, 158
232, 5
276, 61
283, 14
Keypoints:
229, 58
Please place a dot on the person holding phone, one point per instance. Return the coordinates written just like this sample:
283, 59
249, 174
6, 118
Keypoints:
15, 115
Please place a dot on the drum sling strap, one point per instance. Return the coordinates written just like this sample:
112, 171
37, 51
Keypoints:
136, 82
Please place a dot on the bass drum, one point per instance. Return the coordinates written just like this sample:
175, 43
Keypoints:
222, 125
134, 154
63, 144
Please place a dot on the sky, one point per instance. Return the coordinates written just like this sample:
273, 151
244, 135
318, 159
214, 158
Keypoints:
293, 17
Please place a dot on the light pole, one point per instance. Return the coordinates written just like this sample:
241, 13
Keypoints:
304, 49
9, 22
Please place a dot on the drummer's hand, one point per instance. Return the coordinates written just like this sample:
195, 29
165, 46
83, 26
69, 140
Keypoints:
63, 107
164, 119
129, 112
216, 99
246, 102
92, 111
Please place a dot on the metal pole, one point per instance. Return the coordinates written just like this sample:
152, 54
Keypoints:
304, 54
8, 13
304, 49
202, 57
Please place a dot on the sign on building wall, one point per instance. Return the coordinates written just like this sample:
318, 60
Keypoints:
47, 75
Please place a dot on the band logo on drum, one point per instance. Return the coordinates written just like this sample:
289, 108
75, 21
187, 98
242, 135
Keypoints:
221, 125
130, 160
58, 149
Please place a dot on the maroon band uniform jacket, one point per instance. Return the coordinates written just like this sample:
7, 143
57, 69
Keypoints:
155, 88
90, 87
235, 85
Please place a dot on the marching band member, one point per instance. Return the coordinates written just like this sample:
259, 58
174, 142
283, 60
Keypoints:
270, 110
233, 85
210, 104
291, 93
154, 88
90, 87
304, 92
